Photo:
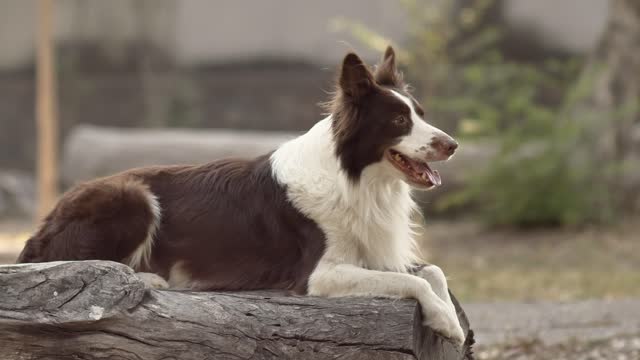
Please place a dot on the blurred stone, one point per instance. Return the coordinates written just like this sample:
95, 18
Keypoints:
17, 193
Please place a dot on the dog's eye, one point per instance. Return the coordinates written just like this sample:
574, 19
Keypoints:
400, 120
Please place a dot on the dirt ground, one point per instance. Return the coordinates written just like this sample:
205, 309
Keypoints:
13, 234
551, 264
489, 265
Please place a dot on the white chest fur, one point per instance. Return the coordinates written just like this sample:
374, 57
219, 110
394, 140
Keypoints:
367, 224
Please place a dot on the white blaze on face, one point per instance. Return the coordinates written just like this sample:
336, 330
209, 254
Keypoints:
418, 143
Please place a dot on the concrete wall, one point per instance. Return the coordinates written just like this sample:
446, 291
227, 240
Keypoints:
205, 31
224, 30
233, 95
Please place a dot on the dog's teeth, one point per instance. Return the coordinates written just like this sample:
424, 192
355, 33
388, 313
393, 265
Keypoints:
424, 176
397, 157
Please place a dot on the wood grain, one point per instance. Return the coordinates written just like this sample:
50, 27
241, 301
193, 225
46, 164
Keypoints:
101, 310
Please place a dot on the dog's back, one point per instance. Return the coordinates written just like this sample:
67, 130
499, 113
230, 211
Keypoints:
224, 225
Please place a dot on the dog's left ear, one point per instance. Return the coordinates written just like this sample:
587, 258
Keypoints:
386, 73
355, 78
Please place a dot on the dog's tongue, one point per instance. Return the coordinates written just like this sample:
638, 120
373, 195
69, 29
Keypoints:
423, 168
434, 177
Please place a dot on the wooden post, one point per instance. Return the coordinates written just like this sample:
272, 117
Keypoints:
46, 110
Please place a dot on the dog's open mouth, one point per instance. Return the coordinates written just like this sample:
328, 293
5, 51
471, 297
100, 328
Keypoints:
417, 172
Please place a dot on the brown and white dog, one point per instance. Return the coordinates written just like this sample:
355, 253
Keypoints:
326, 214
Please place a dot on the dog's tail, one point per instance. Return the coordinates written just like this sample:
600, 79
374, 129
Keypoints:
112, 219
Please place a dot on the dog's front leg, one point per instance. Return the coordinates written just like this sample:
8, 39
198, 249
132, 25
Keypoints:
438, 281
335, 280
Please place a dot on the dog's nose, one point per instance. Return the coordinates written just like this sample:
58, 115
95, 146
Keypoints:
445, 145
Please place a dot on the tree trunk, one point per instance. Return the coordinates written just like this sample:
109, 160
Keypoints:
609, 99
99, 309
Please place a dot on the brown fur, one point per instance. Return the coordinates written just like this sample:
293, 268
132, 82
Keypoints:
103, 219
227, 222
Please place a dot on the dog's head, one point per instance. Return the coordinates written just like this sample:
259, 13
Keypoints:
376, 122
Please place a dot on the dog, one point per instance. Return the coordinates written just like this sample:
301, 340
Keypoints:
328, 213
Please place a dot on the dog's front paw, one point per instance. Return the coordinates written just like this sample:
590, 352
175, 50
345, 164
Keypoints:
445, 323
152, 281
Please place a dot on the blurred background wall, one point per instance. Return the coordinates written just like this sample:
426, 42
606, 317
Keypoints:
541, 201
197, 32
225, 64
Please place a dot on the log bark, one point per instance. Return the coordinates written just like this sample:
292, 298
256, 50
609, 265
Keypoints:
101, 310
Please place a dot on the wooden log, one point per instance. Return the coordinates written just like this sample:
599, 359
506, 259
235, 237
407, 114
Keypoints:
92, 151
101, 310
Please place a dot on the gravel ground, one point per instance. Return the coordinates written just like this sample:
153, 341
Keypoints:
551, 323
593, 329
620, 348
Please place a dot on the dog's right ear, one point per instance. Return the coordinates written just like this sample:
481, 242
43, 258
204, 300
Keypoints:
386, 72
355, 78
